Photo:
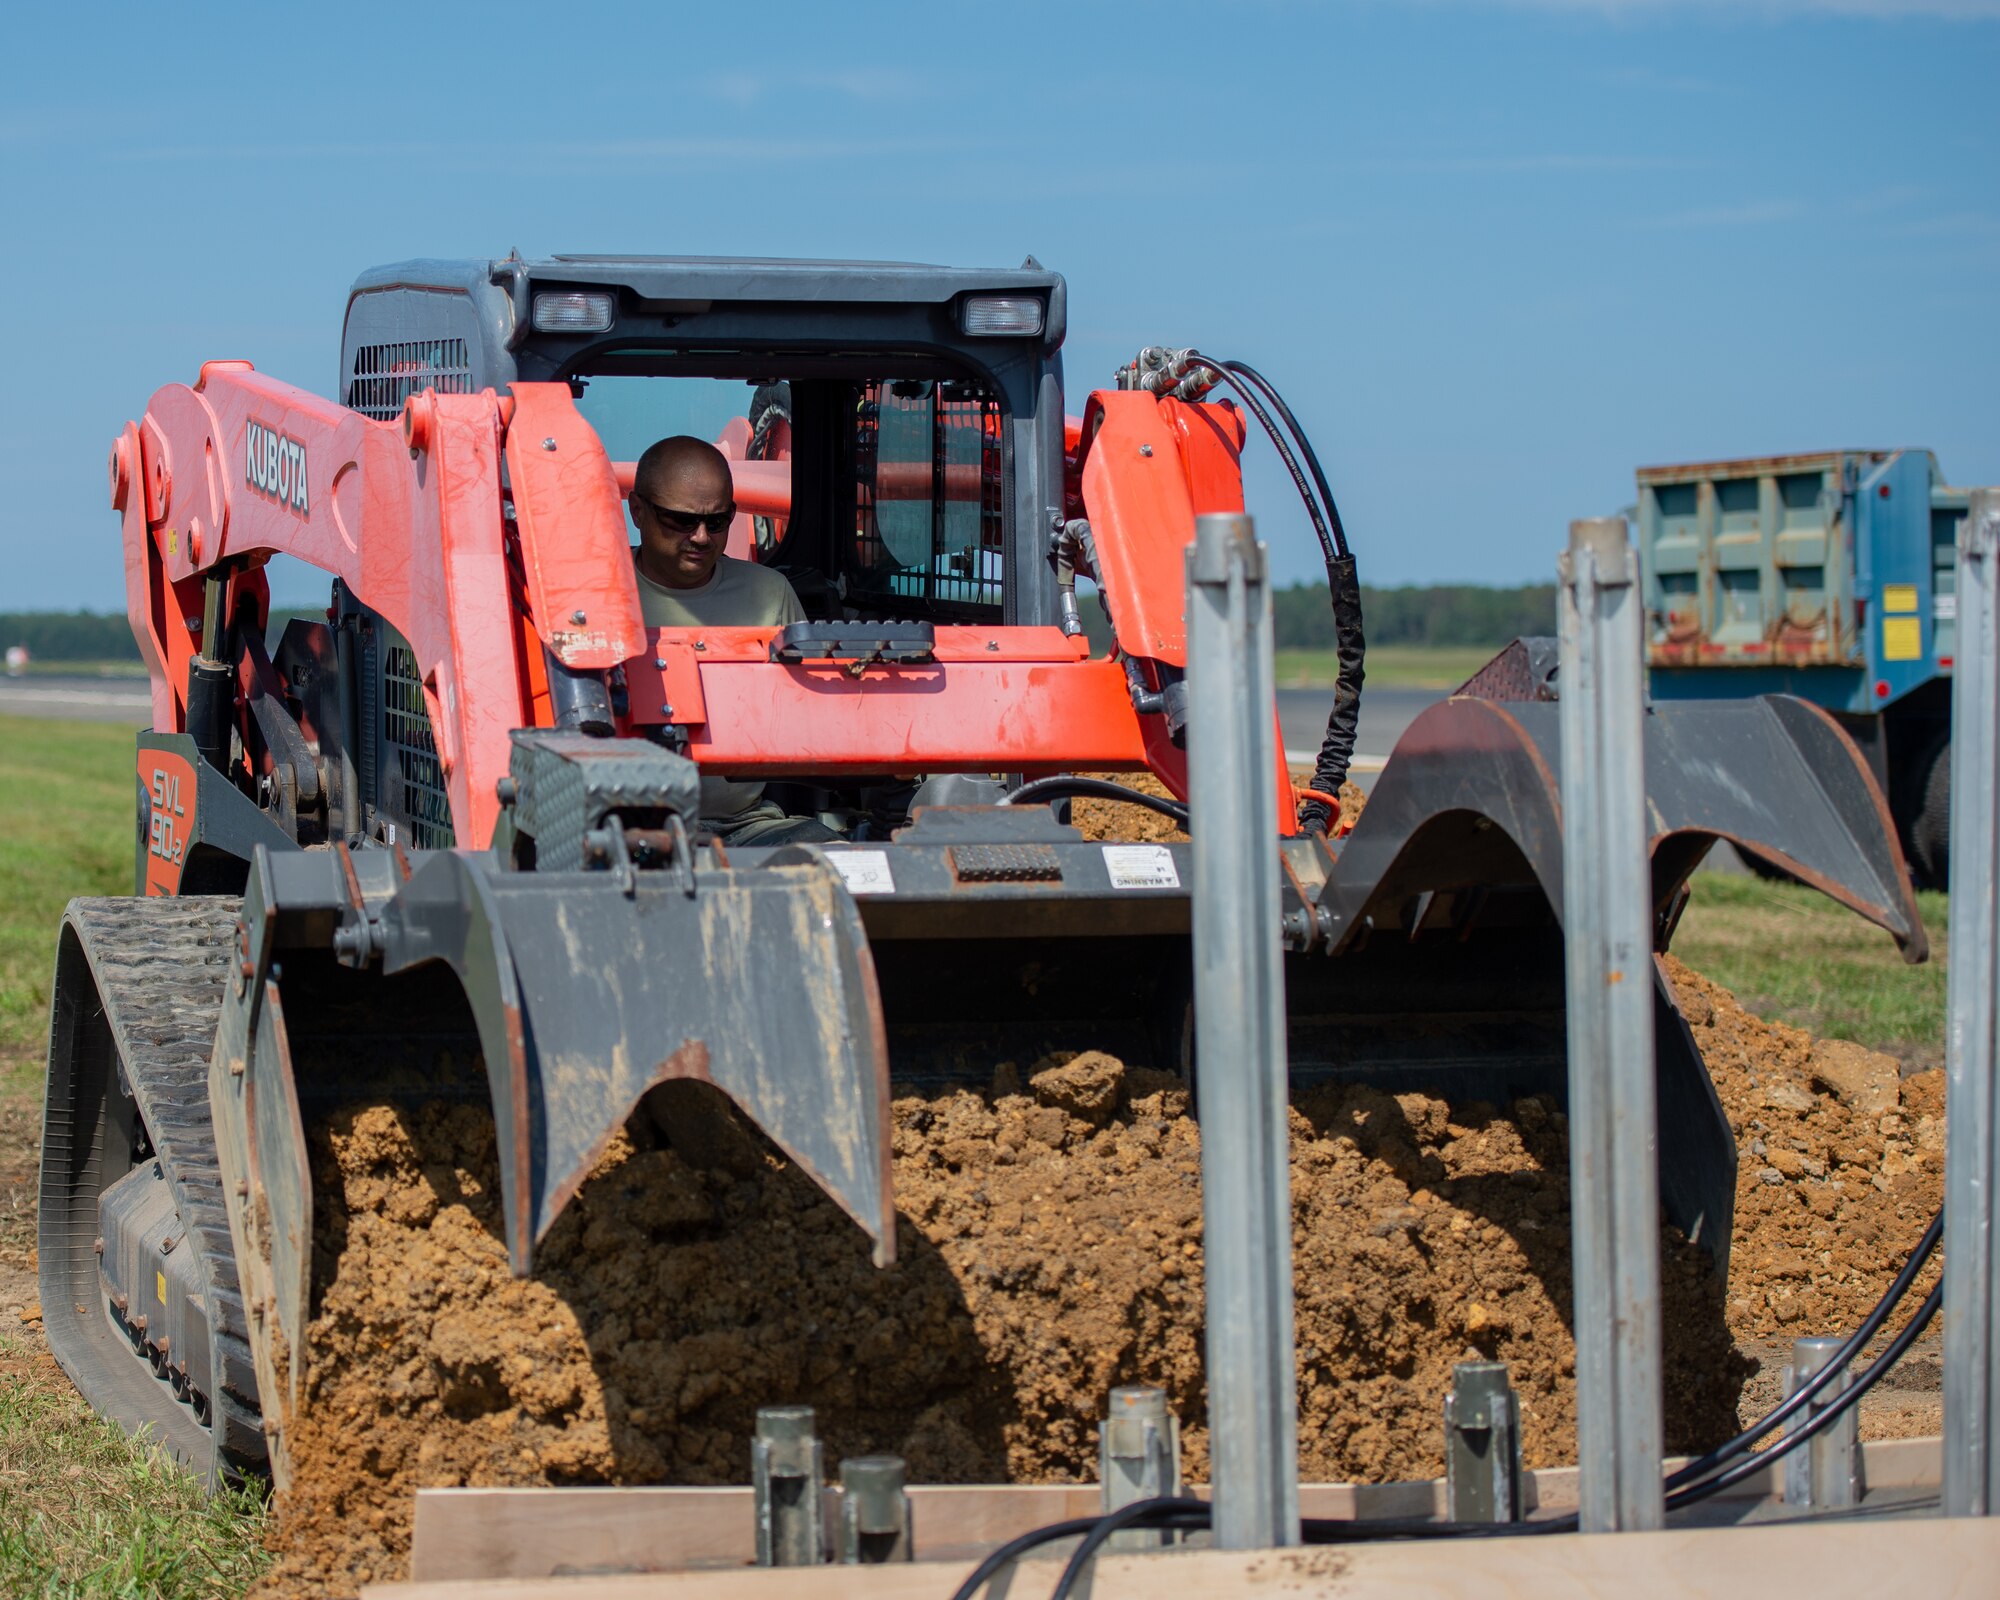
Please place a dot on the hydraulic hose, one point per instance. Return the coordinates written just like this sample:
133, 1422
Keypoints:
1070, 784
1336, 750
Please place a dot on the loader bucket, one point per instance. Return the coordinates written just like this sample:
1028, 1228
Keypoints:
1442, 915
381, 976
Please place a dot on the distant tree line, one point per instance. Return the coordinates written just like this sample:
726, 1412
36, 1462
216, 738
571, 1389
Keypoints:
69, 635
1302, 619
1435, 615
93, 635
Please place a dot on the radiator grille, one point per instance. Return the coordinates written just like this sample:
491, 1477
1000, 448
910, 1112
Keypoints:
386, 375
415, 778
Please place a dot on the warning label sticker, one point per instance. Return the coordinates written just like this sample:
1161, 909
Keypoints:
865, 871
1902, 639
1141, 866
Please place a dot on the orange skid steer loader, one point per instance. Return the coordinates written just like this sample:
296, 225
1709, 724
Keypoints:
457, 822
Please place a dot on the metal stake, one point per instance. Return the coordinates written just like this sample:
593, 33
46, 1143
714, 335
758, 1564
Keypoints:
1972, 1162
874, 1511
1239, 1016
785, 1475
1482, 1444
1607, 930
1139, 1458
1826, 1474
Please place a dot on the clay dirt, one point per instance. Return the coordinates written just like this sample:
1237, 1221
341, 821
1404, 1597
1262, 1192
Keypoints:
1049, 1244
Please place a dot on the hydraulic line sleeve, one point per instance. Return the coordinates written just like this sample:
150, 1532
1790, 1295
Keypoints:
1336, 751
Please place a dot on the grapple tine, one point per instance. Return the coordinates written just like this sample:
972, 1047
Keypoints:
1470, 799
587, 997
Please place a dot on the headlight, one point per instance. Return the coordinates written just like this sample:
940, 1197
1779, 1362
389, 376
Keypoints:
1001, 314
570, 311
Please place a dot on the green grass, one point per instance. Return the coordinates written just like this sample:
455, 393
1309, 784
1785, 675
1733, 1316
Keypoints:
67, 800
86, 1511
1391, 666
1791, 954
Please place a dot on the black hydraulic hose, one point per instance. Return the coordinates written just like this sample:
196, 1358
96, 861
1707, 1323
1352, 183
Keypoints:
1070, 784
1250, 398
1244, 370
1871, 1324
1336, 750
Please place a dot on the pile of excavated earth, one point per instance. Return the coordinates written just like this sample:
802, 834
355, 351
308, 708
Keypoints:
1049, 1247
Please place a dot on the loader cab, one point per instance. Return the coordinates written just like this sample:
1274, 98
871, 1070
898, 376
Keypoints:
898, 506
919, 408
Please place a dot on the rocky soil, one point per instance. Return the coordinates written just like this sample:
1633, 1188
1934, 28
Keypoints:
1050, 1247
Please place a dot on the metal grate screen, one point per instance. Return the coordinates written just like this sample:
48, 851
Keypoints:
386, 375
406, 732
929, 523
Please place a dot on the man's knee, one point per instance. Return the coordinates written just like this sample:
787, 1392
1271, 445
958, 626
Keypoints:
798, 830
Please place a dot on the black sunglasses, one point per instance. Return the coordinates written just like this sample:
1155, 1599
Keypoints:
685, 522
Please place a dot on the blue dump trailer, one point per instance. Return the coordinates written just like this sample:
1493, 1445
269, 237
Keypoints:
1830, 577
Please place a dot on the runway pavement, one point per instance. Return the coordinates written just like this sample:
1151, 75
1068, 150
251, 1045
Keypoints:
1385, 712
79, 699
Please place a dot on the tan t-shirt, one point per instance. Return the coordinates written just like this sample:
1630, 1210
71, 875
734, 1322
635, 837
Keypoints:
738, 594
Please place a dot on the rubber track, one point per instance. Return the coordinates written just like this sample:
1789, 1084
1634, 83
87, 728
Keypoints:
161, 967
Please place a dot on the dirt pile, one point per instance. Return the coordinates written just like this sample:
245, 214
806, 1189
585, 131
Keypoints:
1840, 1166
1049, 1245
1122, 821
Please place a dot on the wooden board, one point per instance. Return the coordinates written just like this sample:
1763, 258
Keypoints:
1940, 1559
533, 1533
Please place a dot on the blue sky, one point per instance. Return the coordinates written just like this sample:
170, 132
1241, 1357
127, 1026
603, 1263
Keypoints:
1496, 254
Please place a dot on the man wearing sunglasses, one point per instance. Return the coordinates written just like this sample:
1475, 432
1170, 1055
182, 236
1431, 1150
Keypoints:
683, 500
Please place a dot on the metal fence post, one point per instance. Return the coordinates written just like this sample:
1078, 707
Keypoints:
1972, 1162
1239, 1012
1607, 930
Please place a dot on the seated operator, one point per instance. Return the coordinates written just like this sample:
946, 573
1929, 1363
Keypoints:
682, 501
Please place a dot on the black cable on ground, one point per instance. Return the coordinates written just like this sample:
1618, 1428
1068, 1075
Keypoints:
1166, 1512
1871, 1324
1821, 1421
1071, 784
1187, 1513
1015, 1548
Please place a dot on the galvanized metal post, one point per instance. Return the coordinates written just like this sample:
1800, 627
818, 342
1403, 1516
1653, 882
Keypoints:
874, 1511
1972, 1131
1482, 1444
1607, 930
786, 1476
1239, 1011
1826, 1474
1138, 1458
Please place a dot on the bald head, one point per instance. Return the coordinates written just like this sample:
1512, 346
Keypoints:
682, 500
683, 459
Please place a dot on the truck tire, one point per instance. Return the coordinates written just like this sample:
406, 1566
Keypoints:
1930, 825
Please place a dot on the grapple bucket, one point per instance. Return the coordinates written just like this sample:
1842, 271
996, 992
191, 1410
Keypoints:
1440, 922
374, 976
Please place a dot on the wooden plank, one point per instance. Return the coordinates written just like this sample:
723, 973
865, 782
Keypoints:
1939, 1558
533, 1533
